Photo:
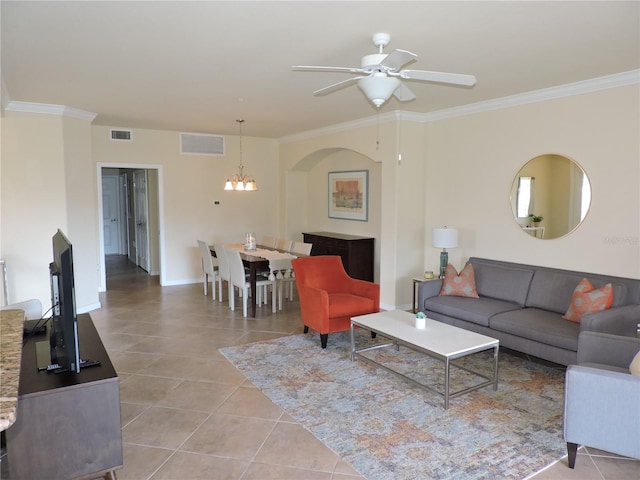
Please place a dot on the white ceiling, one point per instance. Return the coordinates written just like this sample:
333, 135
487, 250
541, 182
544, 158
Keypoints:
199, 66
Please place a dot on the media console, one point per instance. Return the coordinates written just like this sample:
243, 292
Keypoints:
67, 424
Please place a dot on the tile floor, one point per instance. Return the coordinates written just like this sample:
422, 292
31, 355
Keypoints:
188, 414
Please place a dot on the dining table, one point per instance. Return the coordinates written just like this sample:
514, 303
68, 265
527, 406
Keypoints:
255, 262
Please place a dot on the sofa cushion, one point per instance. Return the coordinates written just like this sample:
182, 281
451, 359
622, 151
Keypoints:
539, 325
345, 304
459, 285
475, 310
502, 282
553, 290
586, 299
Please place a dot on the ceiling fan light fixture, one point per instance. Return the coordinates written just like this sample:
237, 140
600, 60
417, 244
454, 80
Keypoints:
378, 87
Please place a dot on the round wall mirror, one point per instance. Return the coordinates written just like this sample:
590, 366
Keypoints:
550, 196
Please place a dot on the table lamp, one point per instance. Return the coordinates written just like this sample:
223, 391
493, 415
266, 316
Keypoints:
445, 238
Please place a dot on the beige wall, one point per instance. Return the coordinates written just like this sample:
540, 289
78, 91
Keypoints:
191, 184
472, 160
47, 183
455, 172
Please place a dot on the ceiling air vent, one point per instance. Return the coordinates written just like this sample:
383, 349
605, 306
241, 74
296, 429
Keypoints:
124, 135
201, 144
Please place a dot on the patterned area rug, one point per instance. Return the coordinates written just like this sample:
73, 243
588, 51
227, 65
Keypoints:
388, 428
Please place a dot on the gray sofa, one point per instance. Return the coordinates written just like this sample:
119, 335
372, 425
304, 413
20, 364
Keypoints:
522, 306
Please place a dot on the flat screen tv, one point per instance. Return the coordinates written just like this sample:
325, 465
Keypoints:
63, 338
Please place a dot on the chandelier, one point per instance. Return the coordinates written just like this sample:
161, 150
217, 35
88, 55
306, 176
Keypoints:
239, 181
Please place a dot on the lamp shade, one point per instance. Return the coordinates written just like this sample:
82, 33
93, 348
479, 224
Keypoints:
445, 237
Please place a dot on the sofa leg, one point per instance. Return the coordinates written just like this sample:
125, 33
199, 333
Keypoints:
323, 339
373, 334
306, 329
572, 449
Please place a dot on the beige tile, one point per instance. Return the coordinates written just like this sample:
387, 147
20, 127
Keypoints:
192, 466
140, 461
344, 468
618, 468
146, 389
290, 444
127, 362
193, 395
263, 471
193, 368
250, 402
129, 411
585, 469
162, 427
229, 436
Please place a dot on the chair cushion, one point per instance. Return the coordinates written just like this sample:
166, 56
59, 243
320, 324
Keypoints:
346, 304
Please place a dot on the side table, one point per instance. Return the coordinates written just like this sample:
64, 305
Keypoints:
417, 281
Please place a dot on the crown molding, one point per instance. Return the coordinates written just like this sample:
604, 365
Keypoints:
50, 109
586, 86
536, 96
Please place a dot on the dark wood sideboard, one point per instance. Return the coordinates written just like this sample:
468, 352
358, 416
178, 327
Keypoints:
357, 252
67, 424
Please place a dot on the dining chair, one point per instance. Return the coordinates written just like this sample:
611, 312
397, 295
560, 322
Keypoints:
297, 248
223, 267
301, 248
280, 272
284, 244
268, 241
239, 279
210, 266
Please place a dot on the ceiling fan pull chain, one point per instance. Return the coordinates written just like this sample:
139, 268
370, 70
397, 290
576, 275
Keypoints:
378, 129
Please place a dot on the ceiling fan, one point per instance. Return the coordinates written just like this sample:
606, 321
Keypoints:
379, 75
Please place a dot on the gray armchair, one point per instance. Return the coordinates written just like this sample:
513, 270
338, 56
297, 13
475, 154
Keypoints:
602, 398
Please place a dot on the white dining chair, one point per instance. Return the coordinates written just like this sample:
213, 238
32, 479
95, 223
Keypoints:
268, 241
280, 271
284, 244
301, 248
239, 279
210, 265
297, 248
223, 268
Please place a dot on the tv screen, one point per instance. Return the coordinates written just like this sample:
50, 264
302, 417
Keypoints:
63, 340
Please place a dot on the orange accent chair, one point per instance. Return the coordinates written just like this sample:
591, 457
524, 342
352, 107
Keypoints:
329, 297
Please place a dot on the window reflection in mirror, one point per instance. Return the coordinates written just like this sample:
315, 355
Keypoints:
553, 187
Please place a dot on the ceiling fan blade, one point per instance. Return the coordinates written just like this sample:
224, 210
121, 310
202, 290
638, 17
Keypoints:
314, 68
338, 86
439, 77
398, 58
404, 93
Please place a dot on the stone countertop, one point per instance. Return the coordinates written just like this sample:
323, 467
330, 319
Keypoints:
11, 326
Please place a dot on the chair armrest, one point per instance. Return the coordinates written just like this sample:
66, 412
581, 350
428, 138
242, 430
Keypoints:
615, 350
314, 306
622, 320
362, 288
428, 289
601, 410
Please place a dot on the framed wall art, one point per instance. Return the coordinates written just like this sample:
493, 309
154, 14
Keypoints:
349, 195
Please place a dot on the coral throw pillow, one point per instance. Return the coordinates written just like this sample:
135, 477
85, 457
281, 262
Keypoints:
586, 299
463, 285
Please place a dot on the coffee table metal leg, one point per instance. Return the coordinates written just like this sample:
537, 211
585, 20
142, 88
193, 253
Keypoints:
353, 344
447, 370
495, 368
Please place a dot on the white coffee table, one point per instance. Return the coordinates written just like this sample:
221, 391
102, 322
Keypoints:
438, 340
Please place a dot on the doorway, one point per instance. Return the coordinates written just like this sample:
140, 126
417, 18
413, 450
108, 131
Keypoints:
130, 201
